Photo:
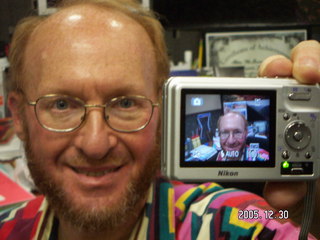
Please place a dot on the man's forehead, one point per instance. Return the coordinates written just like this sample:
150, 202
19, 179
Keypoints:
87, 18
232, 118
100, 41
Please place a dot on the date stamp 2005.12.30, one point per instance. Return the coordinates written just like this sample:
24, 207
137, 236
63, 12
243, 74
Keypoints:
254, 214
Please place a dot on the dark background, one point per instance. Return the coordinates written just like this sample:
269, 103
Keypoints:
186, 21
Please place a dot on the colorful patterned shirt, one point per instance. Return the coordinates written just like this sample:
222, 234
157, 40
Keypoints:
173, 211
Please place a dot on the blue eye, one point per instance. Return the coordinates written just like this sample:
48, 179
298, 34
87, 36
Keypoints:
61, 104
126, 103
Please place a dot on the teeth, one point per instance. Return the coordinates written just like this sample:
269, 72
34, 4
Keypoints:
95, 174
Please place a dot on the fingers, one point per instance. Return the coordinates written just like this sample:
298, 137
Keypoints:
276, 66
303, 66
306, 62
284, 195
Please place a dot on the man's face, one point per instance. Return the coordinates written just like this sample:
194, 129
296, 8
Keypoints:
232, 135
93, 172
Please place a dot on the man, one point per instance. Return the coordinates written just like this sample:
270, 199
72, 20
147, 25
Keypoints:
233, 135
86, 83
90, 54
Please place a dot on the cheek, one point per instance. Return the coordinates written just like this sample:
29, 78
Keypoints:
143, 142
45, 144
223, 142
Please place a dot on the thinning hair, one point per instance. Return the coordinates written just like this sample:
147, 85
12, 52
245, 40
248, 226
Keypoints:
233, 113
146, 18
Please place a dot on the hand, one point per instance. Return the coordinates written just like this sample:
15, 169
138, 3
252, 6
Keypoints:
304, 66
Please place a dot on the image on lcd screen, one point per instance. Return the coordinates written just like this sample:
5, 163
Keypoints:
228, 128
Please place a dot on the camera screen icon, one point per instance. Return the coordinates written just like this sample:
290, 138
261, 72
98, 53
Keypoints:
196, 101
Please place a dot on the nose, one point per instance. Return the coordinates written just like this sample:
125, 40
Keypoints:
231, 139
95, 139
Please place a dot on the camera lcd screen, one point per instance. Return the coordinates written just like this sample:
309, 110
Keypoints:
227, 128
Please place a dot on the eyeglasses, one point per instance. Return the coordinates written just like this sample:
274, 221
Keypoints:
236, 134
62, 113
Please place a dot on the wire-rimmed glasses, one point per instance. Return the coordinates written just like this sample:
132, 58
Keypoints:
236, 134
63, 113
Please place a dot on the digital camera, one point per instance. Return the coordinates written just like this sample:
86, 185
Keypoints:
240, 128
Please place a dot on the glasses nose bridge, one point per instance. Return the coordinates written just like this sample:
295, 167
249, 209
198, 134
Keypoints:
95, 106
88, 106
230, 135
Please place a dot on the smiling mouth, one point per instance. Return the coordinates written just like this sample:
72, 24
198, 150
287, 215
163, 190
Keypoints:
95, 172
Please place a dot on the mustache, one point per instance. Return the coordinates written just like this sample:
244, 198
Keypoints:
80, 159
111, 159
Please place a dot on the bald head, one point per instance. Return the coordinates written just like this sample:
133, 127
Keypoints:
234, 117
93, 18
83, 35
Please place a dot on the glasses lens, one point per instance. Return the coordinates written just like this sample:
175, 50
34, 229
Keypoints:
224, 135
129, 113
60, 112
235, 134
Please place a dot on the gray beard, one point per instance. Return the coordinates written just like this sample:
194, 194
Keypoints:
93, 220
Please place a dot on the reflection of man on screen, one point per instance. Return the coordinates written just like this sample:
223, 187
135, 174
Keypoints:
233, 134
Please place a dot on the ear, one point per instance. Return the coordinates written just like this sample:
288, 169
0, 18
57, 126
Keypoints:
15, 105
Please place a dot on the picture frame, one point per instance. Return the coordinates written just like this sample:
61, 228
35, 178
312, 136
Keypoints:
146, 3
46, 7
239, 54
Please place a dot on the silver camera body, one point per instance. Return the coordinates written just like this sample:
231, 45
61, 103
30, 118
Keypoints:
281, 136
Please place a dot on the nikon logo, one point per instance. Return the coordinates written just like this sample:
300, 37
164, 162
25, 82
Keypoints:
226, 173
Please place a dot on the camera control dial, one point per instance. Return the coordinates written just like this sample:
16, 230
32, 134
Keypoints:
297, 135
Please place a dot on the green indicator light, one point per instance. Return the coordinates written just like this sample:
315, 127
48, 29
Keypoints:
285, 164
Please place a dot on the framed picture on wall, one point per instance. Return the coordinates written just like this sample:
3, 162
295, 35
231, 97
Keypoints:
146, 3
46, 7
239, 54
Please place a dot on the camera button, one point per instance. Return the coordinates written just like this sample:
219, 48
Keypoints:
298, 136
286, 116
307, 155
300, 96
285, 154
